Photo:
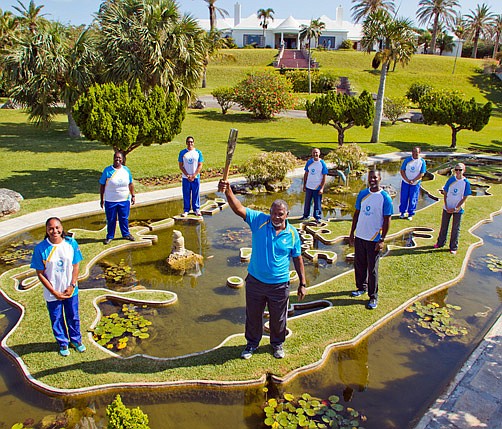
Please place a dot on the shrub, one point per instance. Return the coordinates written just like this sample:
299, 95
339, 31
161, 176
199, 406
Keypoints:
417, 90
225, 97
264, 94
393, 108
347, 156
346, 44
121, 417
268, 167
320, 82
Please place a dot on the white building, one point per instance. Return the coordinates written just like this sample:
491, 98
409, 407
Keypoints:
247, 31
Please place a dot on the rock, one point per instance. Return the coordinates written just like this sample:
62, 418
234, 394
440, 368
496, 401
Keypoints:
9, 202
198, 104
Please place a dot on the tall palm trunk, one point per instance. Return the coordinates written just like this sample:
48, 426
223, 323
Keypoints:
434, 34
377, 122
73, 129
475, 47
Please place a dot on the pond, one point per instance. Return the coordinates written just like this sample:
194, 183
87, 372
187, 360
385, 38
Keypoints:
374, 377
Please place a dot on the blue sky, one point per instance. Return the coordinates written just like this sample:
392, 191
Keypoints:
81, 11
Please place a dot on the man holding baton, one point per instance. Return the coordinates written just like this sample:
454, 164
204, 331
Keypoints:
275, 241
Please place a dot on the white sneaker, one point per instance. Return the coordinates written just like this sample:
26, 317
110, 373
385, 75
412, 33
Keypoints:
410, 217
184, 214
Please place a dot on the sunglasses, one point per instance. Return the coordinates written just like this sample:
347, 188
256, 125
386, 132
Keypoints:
458, 169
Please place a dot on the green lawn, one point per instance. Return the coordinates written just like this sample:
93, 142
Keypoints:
49, 169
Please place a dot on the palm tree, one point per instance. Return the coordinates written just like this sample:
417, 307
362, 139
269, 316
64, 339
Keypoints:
151, 42
363, 8
264, 15
439, 12
459, 30
496, 31
398, 40
424, 38
309, 32
478, 24
8, 27
213, 10
50, 67
30, 16
445, 43
214, 42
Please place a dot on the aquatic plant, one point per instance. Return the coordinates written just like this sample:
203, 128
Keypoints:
437, 319
115, 331
16, 251
121, 274
121, 417
306, 411
493, 263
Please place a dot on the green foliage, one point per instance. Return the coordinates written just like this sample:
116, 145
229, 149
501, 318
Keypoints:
115, 331
394, 108
437, 319
493, 263
449, 108
15, 252
264, 94
268, 167
121, 274
346, 44
125, 118
339, 109
347, 156
225, 97
121, 417
308, 412
417, 90
321, 82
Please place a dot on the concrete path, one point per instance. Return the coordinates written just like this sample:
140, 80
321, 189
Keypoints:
473, 399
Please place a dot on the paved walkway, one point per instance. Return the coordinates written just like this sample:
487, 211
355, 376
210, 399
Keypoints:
473, 399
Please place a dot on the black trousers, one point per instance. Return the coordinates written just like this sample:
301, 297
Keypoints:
366, 266
259, 295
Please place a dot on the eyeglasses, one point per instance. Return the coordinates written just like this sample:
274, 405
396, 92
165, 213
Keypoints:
458, 169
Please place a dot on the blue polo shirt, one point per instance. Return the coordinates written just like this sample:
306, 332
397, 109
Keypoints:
271, 253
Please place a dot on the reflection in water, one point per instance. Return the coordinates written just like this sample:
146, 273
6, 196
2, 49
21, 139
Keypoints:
392, 376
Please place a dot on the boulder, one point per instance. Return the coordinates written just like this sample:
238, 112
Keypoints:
9, 202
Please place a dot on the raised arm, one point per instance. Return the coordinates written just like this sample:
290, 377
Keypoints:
233, 202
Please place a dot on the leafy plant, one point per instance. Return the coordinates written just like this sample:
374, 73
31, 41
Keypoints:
346, 44
309, 412
494, 263
437, 319
225, 97
121, 417
121, 274
16, 251
417, 90
347, 156
268, 167
264, 94
320, 81
115, 331
394, 108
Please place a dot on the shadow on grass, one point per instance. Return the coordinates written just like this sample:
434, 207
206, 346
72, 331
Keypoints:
296, 147
28, 137
491, 87
54, 182
231, 117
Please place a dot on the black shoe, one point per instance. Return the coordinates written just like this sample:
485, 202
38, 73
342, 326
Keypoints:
372, 304
107, 241
248, 352
304, 218
130, 238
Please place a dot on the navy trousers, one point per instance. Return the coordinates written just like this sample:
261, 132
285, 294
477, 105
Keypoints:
409, 198
312, 194
366, 266
455, 229
259, 295
190, 195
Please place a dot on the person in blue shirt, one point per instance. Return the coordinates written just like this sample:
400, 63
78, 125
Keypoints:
274, 242
56, 260
370, 225
314, 180
190, 161
455, 192
116, 189
412, 171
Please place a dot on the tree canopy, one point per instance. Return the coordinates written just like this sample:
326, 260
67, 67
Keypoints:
450, 108
341, 111
125, 118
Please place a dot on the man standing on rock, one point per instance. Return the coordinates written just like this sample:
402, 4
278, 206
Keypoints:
412, 171
314, 180
275, 242
190, 161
